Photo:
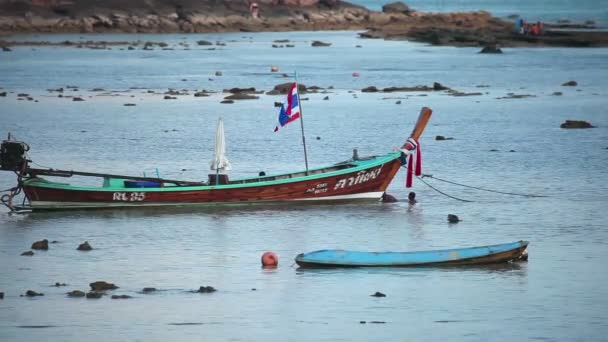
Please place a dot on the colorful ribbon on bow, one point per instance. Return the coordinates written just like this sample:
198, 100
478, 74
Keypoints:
412, 149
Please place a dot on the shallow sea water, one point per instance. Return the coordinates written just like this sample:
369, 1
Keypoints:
558, 295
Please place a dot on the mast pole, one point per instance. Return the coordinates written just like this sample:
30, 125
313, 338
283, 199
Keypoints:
301, 122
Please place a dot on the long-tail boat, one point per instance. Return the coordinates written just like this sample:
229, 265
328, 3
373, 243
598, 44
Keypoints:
507, 252
355, 179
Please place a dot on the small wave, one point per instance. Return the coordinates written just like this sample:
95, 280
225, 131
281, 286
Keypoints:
36, 326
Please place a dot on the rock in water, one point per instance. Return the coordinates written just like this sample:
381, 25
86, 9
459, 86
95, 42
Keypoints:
1, 295
241, 96
438, 86
148, 289
370, 89
570, 84
386, 198
41, 245
206, 289
284, 88
121, 297
378, 294
28, 253
31, 293
453, 218
84, 246
94, 294
576, 124
318, 43
102, 286
76, 294
491, 49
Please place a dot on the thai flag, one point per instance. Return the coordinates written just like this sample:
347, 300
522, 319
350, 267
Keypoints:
292, 112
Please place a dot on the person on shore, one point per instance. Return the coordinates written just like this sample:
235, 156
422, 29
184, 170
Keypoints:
412, 198
255, 11
535, 31
519, 25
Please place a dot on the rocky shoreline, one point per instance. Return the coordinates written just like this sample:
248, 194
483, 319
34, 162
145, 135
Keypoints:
396, 21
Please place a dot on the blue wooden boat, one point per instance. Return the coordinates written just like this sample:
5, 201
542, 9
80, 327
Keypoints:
446, 257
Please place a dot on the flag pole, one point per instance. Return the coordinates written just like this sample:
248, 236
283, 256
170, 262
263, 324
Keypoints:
301, 122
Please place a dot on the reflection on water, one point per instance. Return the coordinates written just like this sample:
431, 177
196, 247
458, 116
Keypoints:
507, 269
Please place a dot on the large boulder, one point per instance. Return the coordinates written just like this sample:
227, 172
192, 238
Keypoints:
396, 7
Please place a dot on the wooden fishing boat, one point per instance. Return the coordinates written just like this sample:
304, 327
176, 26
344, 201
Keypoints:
447, 257
355, 179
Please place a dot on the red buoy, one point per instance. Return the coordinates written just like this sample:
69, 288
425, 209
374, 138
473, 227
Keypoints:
269, 259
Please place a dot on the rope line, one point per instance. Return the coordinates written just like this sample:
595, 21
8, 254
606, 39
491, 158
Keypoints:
441, 192
483, 189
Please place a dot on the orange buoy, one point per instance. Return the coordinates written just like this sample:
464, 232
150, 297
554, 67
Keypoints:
269, 259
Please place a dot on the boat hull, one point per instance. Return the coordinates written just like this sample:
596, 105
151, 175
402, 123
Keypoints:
363, 183
449, 257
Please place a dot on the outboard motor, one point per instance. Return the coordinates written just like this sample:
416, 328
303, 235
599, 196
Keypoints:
12, 155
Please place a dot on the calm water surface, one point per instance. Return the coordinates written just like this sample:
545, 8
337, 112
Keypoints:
560, 294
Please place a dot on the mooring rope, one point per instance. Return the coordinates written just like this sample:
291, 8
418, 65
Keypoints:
481, 189
441, 192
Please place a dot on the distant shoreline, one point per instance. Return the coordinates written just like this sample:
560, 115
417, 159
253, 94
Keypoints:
395, 22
